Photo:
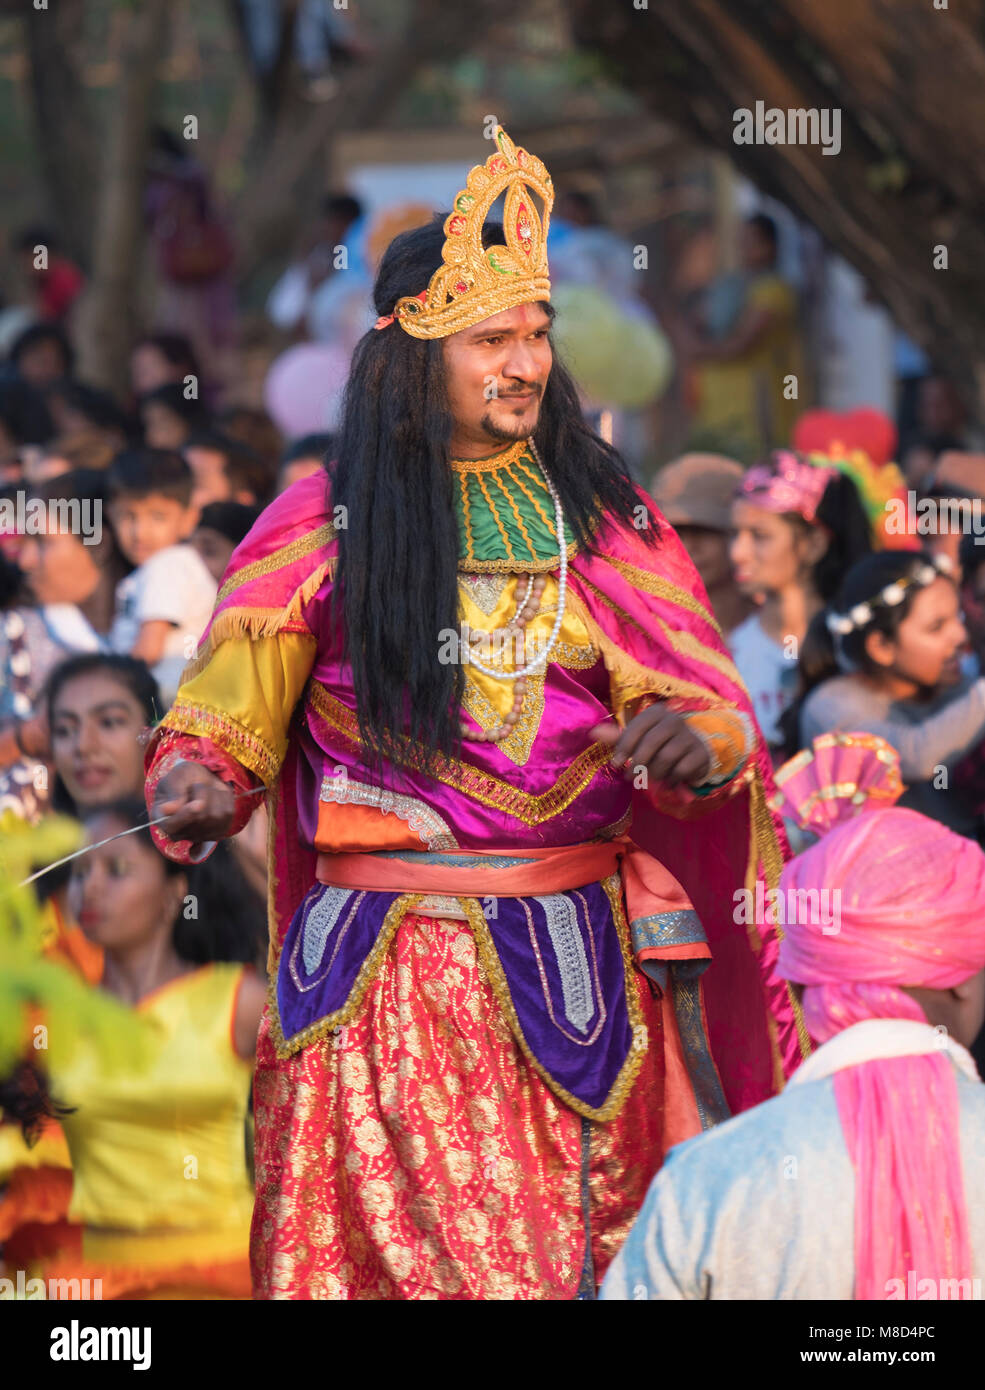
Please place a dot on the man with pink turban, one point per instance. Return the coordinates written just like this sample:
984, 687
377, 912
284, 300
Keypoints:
859, 1180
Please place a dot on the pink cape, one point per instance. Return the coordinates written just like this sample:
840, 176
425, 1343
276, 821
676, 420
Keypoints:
649, 614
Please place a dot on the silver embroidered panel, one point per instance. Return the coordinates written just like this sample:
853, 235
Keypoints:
319, 924
420, 818
576, 979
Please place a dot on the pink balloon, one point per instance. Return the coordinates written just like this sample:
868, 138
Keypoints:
303, 389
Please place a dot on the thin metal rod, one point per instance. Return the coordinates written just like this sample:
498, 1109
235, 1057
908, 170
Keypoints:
87, 849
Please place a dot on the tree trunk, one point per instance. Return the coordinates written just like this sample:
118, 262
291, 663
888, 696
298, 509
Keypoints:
66, 136
108, 314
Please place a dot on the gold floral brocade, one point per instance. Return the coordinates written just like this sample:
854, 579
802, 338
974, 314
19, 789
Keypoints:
408, 1155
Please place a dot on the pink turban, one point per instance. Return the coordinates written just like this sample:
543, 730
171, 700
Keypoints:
912, 912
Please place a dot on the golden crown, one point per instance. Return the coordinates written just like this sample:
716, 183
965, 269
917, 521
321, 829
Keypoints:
475, 283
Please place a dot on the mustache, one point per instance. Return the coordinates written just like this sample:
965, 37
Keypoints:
532, 388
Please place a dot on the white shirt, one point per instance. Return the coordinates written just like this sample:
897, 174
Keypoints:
763, 1206
173, 586
769, 675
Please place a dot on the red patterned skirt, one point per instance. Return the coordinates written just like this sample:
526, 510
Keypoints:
418, 1154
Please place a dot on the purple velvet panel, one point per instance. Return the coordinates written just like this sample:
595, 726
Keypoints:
560, 956
306, 994
569, 988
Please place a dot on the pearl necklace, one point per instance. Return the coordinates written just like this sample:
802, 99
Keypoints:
527, 609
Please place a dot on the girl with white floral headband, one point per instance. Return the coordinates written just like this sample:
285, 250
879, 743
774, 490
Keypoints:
885, 658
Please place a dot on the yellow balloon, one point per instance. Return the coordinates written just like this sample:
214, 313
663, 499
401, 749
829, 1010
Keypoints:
619, 359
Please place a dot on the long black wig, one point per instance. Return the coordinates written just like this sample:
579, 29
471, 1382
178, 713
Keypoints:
396, 582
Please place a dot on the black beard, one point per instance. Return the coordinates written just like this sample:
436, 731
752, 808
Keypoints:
501, 433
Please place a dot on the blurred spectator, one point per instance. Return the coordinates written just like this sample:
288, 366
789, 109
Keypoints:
162, 359
163, 607
941, 425
169, 418
86, 449
196, 1000
221, 527
76, 407
41, 355
747, 344
303, 457
194, 251
695, 495
94, 711
797, 529
61, 603
291, 300
257, 431
895, 670
322, 36
55, 288
24, 420
911, 365
75, 582
972, 561
97, 705
957, 478
226, 471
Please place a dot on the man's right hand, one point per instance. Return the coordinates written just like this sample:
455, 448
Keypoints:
198, 804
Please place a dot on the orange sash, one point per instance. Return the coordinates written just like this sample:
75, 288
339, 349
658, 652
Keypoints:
553, 869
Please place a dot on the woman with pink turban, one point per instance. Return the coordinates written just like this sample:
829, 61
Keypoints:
858, 1181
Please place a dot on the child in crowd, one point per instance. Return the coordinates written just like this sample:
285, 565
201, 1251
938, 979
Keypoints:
169, 417
303, 457
163, 607
225, 470
221, 527
886, 659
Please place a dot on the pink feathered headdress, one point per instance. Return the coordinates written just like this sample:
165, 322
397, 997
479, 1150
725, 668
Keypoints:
788, 483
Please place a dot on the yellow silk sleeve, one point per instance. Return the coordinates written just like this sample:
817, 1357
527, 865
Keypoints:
243, 699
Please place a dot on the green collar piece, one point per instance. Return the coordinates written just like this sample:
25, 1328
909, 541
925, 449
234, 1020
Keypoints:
506, 515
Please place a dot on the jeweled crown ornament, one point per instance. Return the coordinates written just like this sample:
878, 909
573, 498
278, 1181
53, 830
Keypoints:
475, 282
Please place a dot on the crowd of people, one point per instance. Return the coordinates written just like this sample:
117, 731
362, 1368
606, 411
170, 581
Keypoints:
840, 628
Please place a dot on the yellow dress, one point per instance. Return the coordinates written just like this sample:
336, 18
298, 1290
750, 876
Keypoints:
161, 1189
742, 400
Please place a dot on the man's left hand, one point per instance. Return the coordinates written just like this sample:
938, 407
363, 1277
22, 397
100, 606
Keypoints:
659, 740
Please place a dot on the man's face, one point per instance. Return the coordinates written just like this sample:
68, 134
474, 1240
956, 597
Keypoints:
497, 372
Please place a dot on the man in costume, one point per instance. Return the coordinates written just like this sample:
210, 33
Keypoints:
485, 1022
